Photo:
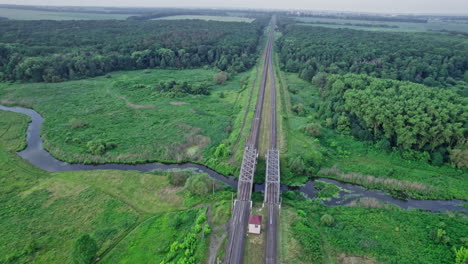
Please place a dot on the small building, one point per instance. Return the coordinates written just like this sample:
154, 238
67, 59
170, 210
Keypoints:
255, 224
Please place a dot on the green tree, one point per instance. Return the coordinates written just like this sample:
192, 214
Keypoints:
313, 129
320, 80
200, 184
84, 250
296, 164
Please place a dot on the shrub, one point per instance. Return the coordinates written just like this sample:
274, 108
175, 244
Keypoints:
99, 147
415, 155
220, 77
220, 151
201, 218
207, 229
301, 213
461, 255
327, 220
96, 147
198, 184
437, 158
178, 178
299, 109
313, 129
84, 250
441, 237
459, 155
75, 124
296, 164
384, 145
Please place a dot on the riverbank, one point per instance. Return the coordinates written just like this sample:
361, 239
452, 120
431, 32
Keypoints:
38, 156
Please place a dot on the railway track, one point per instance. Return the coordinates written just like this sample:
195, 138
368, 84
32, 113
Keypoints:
272, 179
243, 203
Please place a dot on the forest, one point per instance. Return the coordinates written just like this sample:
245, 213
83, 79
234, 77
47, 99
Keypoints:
415, 118
54, 51
430, 59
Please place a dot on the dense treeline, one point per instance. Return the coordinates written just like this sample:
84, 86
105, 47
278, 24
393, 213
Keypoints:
431, 59
177, 12
353, 24
53, 51
408, 19
410, 116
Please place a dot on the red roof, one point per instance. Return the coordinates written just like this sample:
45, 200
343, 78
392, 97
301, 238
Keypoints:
255, 220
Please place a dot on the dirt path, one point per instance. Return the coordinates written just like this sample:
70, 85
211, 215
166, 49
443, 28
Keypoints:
134, 105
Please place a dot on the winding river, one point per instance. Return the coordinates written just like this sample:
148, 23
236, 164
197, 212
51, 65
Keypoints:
37, 155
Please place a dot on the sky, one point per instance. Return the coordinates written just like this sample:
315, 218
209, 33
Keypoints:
380, 6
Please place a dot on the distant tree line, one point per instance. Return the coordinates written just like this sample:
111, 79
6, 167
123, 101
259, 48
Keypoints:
53, 51
430, 59
176, 12
406, 115
408, 19
353, 24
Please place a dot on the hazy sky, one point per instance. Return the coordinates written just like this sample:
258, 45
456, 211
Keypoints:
386, 6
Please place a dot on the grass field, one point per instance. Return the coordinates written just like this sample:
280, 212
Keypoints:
125, 111
368, 235
22, 14
145, 244
43, 214
207, 18
402, 26
351, 156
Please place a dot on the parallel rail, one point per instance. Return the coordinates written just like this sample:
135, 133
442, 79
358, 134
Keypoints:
243, 204
272, 181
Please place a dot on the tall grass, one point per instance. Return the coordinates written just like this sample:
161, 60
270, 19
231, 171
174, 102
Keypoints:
377, 182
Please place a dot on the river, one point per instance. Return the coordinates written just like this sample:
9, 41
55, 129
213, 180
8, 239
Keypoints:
38, 156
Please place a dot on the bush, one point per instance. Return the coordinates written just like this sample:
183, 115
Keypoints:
327, 220
207, 229
220, 151
415, 155
440, 236
178, 178
199, 184
437, 157
384, 145
99, 147
296, 165
220, 77
461, 255
301, 213
459, 155
96, 148
84, 250
75, 124
299, 109
313, 129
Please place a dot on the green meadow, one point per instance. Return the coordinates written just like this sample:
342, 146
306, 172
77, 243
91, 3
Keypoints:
367, 233
122, 117
43, 214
